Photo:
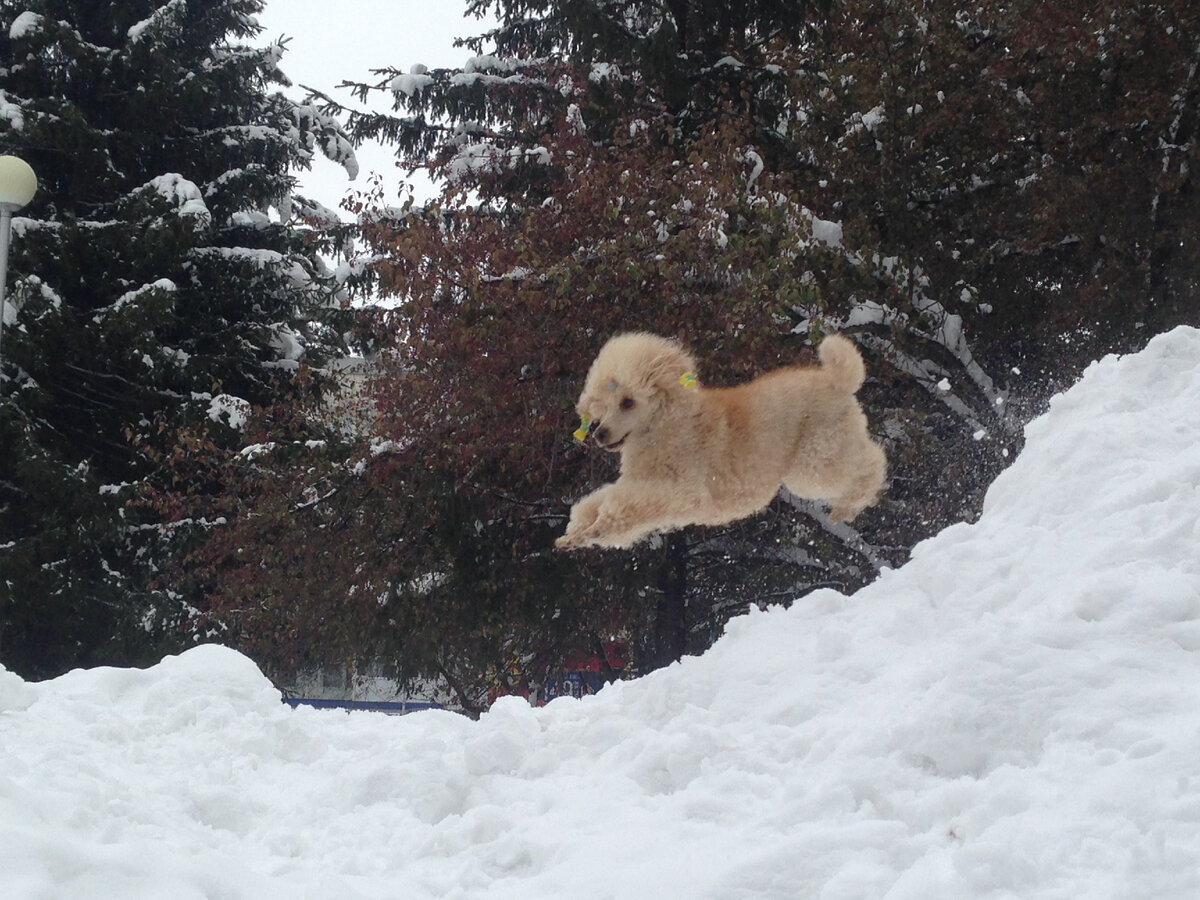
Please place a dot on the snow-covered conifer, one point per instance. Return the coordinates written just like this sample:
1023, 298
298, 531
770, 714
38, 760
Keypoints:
163, 261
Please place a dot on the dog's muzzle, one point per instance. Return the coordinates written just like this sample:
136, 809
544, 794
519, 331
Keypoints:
603, 437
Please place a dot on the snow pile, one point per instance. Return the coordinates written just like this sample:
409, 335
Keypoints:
1015, 713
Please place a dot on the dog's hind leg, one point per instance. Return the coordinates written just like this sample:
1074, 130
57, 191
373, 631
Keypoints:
862, 490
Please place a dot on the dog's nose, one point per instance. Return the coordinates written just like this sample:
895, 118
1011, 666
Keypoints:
601, 435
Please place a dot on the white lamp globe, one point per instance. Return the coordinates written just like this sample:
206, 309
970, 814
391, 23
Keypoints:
18, 184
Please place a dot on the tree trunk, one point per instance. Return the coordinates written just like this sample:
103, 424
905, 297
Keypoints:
670, 614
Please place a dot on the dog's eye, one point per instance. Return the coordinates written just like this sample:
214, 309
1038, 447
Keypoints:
627, 403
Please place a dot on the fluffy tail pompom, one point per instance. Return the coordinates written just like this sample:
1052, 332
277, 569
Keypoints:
844, 363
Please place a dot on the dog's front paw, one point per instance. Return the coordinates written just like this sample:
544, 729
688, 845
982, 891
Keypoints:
591, 536
570, 541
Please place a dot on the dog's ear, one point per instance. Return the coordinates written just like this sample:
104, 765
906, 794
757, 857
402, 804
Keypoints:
667, 367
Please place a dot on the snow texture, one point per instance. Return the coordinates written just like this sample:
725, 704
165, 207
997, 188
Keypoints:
233, 411
824, 231
412, 83
287, 344
11, 112
184, 195
24, 25
1012, 714
134, 297
603, 71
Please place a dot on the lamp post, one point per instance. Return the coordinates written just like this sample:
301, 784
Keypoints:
18, 184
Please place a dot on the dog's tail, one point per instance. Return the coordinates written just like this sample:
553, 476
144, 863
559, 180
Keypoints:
844, 363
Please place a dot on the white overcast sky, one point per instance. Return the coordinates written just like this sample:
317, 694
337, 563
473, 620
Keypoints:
337, 40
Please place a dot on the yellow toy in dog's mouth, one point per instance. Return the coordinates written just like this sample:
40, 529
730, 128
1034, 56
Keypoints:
581, 433
689, 382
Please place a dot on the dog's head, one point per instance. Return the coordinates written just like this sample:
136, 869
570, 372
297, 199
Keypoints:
631, 381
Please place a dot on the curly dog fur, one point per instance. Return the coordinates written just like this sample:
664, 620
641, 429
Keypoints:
706, 456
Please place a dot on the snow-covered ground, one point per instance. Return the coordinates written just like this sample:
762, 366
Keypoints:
1013, 714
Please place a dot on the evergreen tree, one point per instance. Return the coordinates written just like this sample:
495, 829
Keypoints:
163, 279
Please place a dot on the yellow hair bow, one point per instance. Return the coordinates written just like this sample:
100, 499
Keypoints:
581, 433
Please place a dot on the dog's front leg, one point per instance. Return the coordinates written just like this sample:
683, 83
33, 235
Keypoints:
629, 512
583, 516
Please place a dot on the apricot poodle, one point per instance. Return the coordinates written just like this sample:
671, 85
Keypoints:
692, 455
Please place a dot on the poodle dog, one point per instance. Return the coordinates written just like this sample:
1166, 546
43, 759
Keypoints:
692, 455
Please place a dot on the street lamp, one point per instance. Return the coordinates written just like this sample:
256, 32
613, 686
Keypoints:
18, 184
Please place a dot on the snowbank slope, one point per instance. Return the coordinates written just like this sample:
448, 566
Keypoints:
1014, 713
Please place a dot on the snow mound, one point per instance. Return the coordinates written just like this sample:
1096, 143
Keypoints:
1014, 713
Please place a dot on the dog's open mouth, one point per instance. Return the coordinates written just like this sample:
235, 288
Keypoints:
614, 446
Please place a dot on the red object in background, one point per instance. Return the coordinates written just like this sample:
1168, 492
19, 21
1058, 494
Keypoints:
614, 655
583, 673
